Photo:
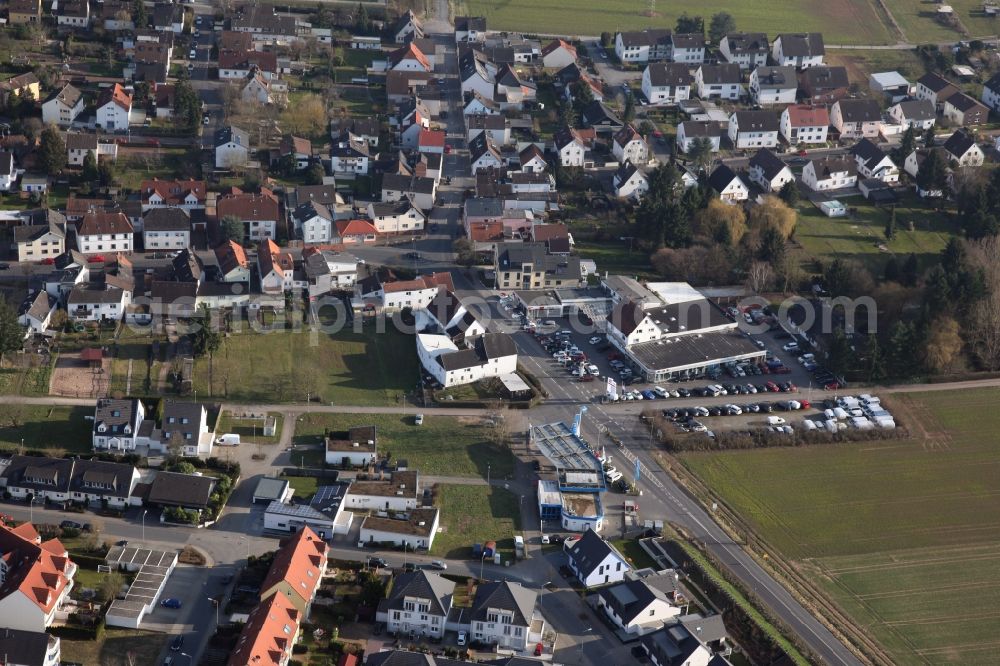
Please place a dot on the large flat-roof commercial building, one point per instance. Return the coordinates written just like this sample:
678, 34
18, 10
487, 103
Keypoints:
669, 329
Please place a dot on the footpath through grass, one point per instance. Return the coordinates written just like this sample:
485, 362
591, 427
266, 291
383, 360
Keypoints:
442, 446
904, 534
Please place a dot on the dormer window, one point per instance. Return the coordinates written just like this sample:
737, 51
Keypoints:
102, 428
127, 429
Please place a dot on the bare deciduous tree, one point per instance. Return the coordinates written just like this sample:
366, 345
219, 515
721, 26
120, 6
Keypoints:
759, 276
981, 328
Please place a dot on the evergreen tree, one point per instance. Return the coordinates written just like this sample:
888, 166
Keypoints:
839, 355
930, 139
90, 174
933, 173
900, 348
187, 105
890, 225
11, 333
789, 193
876, 360
629, 112
52, 152
907, 144
721, 25
690, 24
891, 271
772, 246
139, 15
911, 271
231, 228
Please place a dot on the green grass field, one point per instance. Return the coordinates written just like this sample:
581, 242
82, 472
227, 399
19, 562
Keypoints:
250, 430
50, 428
615, 257
862, 236
476, 514
904, 534
840, 21
442, 446
347, 368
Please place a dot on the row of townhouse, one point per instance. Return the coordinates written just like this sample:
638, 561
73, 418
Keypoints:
747, 50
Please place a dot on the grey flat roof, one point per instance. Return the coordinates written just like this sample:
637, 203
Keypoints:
576, 464
140, 557
694, 350
270, 488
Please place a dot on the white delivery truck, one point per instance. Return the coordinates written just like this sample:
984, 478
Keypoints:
229, 439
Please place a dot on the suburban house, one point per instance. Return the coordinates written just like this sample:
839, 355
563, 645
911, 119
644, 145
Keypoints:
350, 155
187, 195
166, 229
313, 222
666, 83
38, 577
691, 130
912, 167
768, 171
296, 571
419, 190
643, 46
328, 271
531, 159
799, 50
687, 48
749, 50
406, 28
873, 163
729, 186
630, 182
596, 562
35, 312
104, 232
418, 605
724, 81
416, 294
85, 482
754, 129
185, 427
830, 173
117, 424
963, 149
232, 147
558, 54
991, 93
675, 644
25, 87
233, 263
79, 144
488, 355
823, 84
415, 529
396, 217
409, 58
397, 493
630, 146
470, 29
30, 648
63, 107
240, 64
355, 232
276, 269
484, 153
916, 113
530, 266
773, 85
638, 607
41, 241
258, 211
891, 85
355, 447
856, 118
503, 614
186, 491
73, 14
24, 11
935, 89
570, 147
270, 633
97, 301
802, 123
963, 111
497, 126
113, 108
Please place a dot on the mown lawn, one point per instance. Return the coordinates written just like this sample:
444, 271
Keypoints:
840, 21
476, 514
250, 430
366, 368
903, 534
46, 428
116, 645
861, 236
442, 446
615, 256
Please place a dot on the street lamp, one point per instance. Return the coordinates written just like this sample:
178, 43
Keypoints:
144, 526
487, 474
405, 544
215, 602
482, 561
248, 546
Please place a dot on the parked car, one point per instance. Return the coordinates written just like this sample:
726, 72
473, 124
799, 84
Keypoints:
177, 644
170, 602
70, 524
462, 638
418, 419
438, 564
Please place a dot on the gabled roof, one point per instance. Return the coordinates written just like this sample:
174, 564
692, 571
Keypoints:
249, 206
481, 145
311, 209
959, 143
231, 256
747, 42
755, 121
688, 40
627, 134
721, 74
629, 598
557, 44
504, 596
626, 170
298, 563
597, 113
166, 219
187, 490
68, 96
37, 306
590, 552
701, 129
936, 83
272, 259
115, 94
565, 136
859, 110
31, 232
994, 83
291, 144
229, 133
173, 192
668, 74
405, 19
19, 81
867, 152
824, 78
722, 177
355, 228
917, 109
644, 37
437, 590
266, 61
825, 167
468, 23
805, 115
35, 570
409, 52
768, 162
104, 223
801, 44
268, 634
963, 102
530, 152
776, 78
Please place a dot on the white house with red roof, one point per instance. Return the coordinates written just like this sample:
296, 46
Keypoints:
431, 141
35, 578
269, 634
558, 54
409, 58
186, 194
277, 269
355, 232
803, 123
113, 108
296, 570
629, 146
104, 232
259, 212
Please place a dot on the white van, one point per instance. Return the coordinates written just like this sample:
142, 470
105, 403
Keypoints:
809, 424
660, 391
613, 477
229, 439
775, 420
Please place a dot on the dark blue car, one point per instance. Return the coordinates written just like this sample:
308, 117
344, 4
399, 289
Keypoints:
648, 395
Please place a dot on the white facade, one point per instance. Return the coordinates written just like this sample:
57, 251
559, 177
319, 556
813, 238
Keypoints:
431, 347
684, 141
650, 619
663, 94
897, 113
97, 243
735, 191
814, 177
55, 112
412, 541
991, 94
778, 52
769, 94
796, 134
633, 187
572, 154
112, 116
709, 90
635, 151
751, 138
611, 569
166, 240
230, 155
773, 184
398, 221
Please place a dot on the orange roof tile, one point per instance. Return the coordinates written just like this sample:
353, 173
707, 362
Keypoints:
268, 634
803, 115
299, 562
431, 138
117, 95
38, 571
410, 51
172, 192
355, 227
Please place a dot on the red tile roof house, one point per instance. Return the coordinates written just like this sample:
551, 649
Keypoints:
276, 268
104, 232
186, 194
355, 232
259, 212
269, 634
38, 577
431, 141
296, 571
409, 58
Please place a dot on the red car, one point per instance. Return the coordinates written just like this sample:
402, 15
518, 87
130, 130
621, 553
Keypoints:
831, 386
447, 149
587, 378
772, 387
539, 648
805, 404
